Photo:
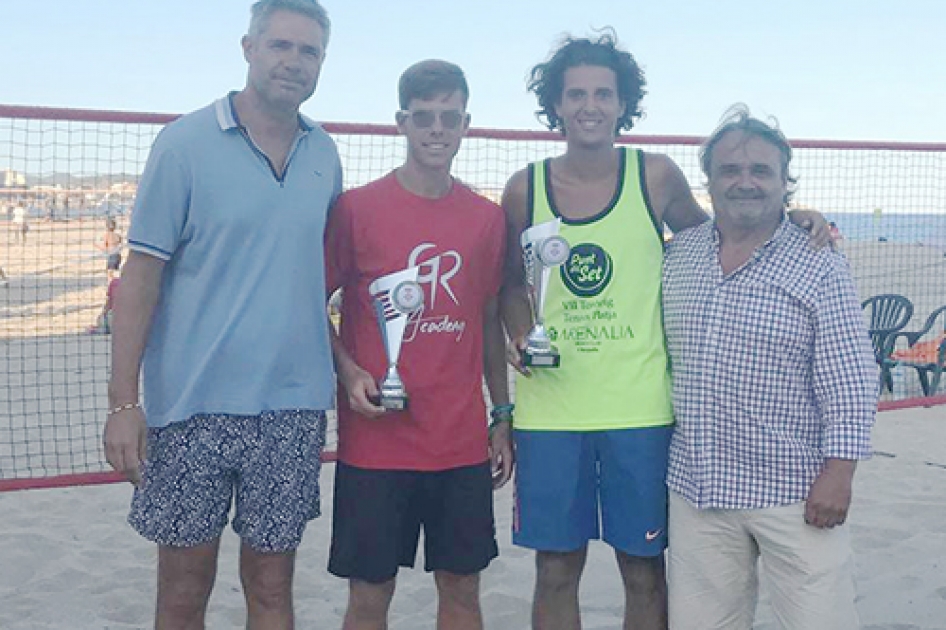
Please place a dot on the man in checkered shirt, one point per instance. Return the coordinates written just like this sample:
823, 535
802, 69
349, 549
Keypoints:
774, 392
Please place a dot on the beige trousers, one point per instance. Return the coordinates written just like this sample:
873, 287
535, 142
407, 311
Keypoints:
712, 569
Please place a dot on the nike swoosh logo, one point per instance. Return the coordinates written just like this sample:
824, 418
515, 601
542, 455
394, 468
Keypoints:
318, 172
652, 536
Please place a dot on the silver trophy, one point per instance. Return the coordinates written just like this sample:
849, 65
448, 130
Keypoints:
542, 249
396, 297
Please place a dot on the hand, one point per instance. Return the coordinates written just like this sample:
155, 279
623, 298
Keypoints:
814, 223
126, 442
501, 454
361, 390
514, 351
830, 494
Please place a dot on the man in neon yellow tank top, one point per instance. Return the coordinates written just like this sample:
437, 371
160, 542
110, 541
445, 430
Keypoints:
592, 435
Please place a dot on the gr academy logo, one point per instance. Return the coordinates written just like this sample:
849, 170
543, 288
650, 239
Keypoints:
588, 270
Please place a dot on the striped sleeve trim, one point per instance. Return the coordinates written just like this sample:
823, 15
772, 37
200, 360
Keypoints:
150, 250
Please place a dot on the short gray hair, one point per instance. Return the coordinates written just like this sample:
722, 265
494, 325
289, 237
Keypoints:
738, 118
262, 11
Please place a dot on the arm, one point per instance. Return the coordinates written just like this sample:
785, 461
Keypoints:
339, 270
125, 431
514, 297
671, 198
358, 383
497, 382
844, 378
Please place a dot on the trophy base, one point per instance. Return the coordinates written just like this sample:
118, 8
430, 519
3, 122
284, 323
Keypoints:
396, 402
541, 359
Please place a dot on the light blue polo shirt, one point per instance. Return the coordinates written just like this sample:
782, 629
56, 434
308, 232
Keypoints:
240, 325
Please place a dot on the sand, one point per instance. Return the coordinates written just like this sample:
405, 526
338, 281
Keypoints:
68, 560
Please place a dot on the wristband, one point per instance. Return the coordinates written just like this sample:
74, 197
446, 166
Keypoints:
502, 412
121, 408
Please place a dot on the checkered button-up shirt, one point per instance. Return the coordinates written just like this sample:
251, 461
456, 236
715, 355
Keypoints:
773, 370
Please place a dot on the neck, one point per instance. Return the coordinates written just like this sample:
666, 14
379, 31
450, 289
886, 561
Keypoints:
424, 182
261, 118
591, 163
739, 235
738, 242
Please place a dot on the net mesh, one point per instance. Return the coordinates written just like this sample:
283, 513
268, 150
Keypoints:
67, 170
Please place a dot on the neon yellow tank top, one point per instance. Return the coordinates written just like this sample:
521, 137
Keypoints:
603, 314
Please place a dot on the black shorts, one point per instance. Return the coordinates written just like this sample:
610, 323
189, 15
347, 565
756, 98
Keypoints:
113, 262
378, 515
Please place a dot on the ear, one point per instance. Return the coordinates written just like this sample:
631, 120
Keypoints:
466, 122
246, 42
400, 119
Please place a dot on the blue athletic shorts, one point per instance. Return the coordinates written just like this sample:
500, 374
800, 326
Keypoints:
194, 469
572, 487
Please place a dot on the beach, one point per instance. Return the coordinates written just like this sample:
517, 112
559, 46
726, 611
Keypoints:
69, 560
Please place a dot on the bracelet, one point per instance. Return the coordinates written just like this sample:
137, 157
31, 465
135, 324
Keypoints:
121, 408
502, 412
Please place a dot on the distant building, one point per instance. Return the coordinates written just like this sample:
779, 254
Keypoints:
12, 179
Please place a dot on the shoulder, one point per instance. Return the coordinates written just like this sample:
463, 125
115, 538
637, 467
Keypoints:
319, 138
518, 185
368, 194
685, 240
189, 129
806, 263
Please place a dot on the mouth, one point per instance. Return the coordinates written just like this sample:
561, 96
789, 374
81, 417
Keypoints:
436, 146
589, 125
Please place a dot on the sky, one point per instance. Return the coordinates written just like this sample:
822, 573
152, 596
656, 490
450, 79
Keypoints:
826, 69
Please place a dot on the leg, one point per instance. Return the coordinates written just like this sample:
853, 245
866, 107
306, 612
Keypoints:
267, 586
182, 505
368, 605
375, 530
810, 571
555, 604
456, 508
556, 513
277, 494
185, 580
633, 465
458, 603
645, 591
712, 569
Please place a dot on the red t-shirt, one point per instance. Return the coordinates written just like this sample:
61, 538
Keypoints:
457, 241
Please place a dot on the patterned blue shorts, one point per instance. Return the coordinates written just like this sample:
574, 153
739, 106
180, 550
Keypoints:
269, 462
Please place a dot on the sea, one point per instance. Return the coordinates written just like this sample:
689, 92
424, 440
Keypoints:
925, 229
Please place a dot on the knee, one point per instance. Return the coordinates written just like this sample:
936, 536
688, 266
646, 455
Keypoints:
368, 601
458, 590
267, 578
642, 574
559, 571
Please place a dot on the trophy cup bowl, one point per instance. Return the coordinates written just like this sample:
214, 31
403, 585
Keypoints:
396, 297
542, 249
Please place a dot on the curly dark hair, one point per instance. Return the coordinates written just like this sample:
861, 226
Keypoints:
547, 79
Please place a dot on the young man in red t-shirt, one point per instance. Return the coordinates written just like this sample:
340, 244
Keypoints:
435, 464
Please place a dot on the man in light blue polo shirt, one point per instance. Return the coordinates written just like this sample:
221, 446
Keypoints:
222, 309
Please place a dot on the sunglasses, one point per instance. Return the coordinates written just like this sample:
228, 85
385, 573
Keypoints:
424, 118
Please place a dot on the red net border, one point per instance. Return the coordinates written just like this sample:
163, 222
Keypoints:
370, 129
29, 112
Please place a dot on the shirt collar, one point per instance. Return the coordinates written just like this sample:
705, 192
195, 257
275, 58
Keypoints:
227, 115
